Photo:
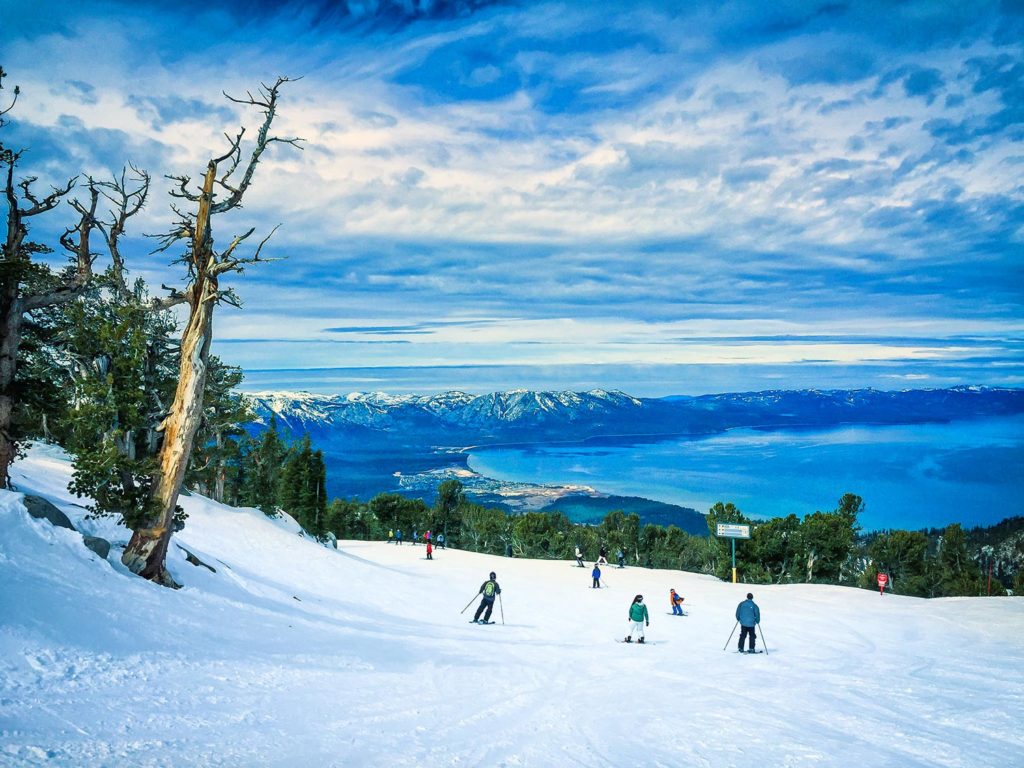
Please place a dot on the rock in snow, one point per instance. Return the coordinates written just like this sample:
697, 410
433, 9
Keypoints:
297, 654
42, 509
98, 545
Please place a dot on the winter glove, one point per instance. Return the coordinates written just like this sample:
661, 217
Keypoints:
648, 623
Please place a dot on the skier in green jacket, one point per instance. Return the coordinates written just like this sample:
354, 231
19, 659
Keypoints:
639, 617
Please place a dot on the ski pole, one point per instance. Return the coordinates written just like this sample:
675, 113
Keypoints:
501, 607
730, 636
468, 604
763, 642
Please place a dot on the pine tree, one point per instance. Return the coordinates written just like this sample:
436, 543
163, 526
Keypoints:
829, 539
217, 455
292, 488
118, 372
262, 468
957, 572
903, 555
317, 494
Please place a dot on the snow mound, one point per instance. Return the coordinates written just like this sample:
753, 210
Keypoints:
294, 654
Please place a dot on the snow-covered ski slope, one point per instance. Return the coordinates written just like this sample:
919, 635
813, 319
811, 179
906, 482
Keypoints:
293, 654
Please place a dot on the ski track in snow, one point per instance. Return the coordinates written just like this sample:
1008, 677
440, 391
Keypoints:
294, 654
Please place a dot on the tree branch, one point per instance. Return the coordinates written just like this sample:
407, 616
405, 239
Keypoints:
126, 203
268, 103
182, 191
9, 107
228, 264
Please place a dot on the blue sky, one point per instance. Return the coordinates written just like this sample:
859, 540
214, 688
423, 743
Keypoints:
805, 193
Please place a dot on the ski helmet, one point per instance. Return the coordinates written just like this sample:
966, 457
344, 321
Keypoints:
638, 598
493, 576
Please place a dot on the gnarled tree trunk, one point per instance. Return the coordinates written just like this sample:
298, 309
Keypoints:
146, 552
10, 339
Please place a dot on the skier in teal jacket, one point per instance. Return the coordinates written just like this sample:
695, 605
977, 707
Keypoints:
638, 617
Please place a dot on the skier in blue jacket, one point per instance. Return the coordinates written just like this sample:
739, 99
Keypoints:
749, 616
596, 576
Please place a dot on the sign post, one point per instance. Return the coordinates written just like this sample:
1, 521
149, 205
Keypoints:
732, 531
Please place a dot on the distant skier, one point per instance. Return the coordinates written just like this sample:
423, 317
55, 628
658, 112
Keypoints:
883, 581
398, 536
430, 550
415, 538
440, 541
489, 589
596, 576
426, 536
602, 556
676, 602
621, 557
391, 536
579, 557
638, 617
749, 616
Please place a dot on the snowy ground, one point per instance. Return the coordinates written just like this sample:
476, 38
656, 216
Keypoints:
293, 654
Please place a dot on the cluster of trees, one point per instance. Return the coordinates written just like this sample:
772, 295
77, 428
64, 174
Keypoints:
939, 563
273, 476
89, 358
822, 547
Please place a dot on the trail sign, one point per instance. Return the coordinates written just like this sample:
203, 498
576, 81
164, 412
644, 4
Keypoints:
732, 531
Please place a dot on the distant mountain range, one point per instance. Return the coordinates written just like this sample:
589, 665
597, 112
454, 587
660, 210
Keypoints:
460, 419
375, 443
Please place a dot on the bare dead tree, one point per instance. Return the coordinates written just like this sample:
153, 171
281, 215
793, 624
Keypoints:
223, 187
17, 266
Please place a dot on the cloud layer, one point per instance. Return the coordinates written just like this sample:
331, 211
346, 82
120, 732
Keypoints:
535, 183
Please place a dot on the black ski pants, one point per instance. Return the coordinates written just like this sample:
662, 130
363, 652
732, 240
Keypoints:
488, 603
744, 631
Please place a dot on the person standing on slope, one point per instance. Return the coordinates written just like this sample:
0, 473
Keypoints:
398, 536
596, 575
602, 555
430, 550
579, 557
677, 602
621, 557
391, 536
440, 541
638, 617
749, 616
489, 589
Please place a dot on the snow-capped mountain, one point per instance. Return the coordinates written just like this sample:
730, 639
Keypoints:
376, 442
448, 412
458, 417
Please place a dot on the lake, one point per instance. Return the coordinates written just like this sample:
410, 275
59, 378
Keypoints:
910, 476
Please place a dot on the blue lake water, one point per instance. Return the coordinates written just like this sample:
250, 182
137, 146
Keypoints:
910, 476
